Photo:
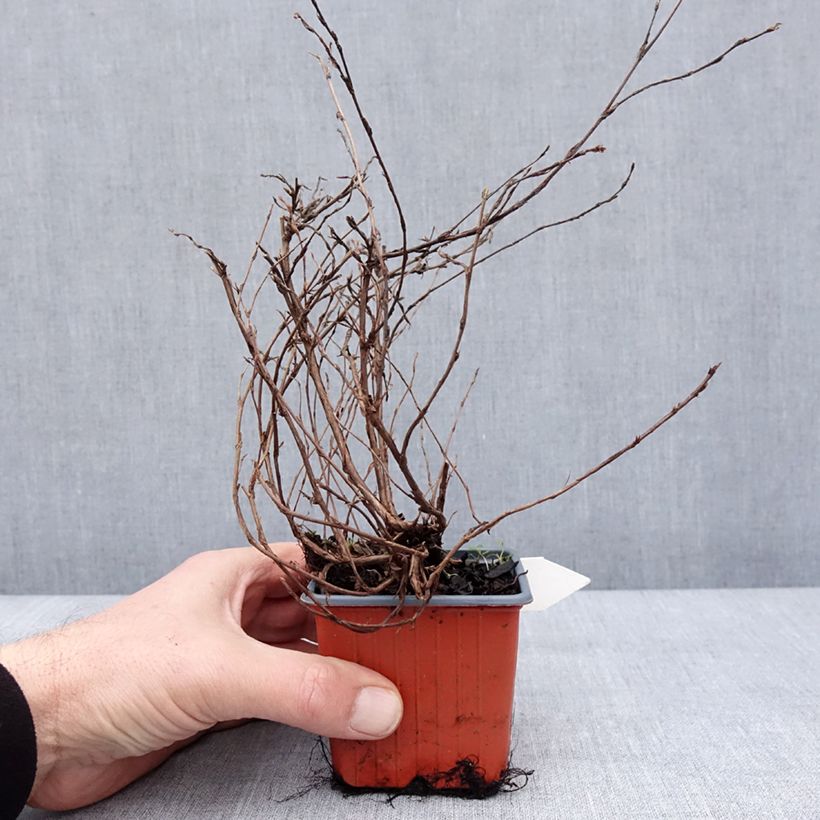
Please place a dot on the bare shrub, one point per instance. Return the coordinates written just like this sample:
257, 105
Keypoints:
324, 375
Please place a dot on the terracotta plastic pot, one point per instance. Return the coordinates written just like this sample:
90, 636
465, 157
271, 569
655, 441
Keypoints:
455, 669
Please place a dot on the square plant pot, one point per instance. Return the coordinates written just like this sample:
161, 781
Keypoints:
455, 669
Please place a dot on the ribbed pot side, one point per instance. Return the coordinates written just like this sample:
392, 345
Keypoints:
455, 669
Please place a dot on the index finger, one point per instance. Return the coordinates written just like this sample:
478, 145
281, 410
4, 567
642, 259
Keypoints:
239, 569
257, 569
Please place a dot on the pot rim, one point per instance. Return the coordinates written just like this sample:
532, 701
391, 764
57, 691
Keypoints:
524, 596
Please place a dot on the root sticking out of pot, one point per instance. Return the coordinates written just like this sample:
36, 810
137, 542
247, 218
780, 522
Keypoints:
465, 780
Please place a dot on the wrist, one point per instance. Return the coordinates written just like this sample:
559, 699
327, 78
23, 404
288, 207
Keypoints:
30, 663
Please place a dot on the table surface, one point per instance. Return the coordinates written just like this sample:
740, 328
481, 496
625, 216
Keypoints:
629, 704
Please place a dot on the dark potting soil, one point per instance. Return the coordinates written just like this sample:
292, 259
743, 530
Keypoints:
470, 572
475, 572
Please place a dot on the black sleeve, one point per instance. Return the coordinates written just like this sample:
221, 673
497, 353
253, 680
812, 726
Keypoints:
18, 747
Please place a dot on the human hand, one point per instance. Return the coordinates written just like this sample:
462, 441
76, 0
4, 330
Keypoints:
216, 640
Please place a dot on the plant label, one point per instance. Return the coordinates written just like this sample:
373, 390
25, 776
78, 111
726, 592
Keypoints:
550, 582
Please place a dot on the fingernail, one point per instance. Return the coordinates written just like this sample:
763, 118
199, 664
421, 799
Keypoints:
376, 711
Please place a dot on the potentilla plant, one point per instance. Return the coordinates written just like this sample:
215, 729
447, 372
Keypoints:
328, 374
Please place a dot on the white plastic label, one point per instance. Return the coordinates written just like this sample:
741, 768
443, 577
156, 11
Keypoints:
550, 582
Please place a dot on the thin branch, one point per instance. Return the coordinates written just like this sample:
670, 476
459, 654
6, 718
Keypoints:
485, 526
685, 75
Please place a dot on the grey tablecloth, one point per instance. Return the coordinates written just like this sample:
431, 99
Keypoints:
678, 704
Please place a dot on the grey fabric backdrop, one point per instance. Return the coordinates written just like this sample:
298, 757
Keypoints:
119, 361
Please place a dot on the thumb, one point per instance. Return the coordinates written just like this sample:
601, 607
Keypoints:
326, 696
